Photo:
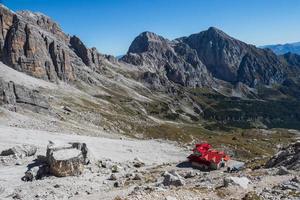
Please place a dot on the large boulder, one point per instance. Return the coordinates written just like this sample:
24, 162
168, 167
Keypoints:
243, 182
20, 151
288, 157
173, 178
36, 172
67, 160
15, 94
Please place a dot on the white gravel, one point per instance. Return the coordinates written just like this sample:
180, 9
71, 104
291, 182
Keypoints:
118, 150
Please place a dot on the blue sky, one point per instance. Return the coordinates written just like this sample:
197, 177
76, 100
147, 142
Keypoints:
111, 25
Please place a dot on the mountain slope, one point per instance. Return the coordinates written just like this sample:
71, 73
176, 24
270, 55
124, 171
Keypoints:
160, 88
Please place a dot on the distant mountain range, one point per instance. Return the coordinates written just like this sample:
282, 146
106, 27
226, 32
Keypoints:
281, 49
208, 77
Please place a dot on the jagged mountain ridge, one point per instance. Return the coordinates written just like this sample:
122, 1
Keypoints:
218, 54
34, 44
207, 76
232, 69
281, 49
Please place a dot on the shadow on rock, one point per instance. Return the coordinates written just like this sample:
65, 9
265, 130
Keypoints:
187, 164
37, 169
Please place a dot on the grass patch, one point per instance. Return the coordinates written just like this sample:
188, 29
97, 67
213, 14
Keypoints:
254, 146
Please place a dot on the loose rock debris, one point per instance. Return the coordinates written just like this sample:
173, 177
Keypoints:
148, 182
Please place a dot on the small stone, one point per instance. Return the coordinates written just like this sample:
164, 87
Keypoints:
128, 175
113, 177
88, 192
105, 182
17, 196
190, 174
172, 178
106, 164
295, 179
283, 171
138, 163
251, 196
19, 162
137, 177
66, 108
240, 181
170, 198
36, 172
116, 168
118, 184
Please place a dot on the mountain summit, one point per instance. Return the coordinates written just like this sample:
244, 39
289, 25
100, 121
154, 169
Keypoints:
208, 76
226, 58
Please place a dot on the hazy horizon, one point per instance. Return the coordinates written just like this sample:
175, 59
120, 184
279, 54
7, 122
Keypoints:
110, 26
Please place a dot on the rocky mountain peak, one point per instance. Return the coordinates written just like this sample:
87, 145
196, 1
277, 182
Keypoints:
225, 57
148, 41
215, 32
150, 35
43, 22
34, 15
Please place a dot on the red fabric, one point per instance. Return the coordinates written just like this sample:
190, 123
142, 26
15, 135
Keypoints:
203, 154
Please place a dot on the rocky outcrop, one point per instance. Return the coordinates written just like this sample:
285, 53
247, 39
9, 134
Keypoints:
36, 172
6, 21
34, 44
288, 157
20, 151
242, 182
90, 57
173, 178
13, 94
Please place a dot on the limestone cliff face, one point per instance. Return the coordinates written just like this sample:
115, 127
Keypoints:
34, 44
